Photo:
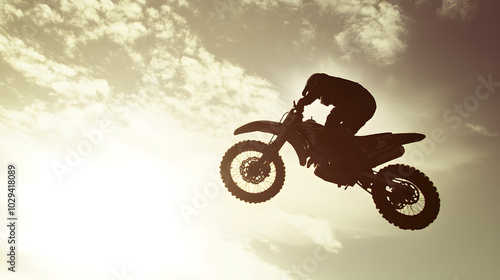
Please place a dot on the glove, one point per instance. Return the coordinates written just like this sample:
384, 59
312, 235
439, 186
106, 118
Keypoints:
299, 107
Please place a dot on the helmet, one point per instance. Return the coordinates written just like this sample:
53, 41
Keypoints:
311, 82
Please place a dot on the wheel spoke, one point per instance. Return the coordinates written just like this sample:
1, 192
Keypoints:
410, 206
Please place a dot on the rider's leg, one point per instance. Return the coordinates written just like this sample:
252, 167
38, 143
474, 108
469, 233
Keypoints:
343, 123
336, 135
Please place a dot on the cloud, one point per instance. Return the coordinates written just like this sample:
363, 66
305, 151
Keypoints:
374, 31
196, 87
269, 4
307, 32
42, 14
247, 264
463, 10
284, 229
33, 65
282, 239
479, 129
318, 230
169, 69
9, 13
121, 22
421, 3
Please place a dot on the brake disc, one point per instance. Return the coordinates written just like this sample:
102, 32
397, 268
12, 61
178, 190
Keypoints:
253, 172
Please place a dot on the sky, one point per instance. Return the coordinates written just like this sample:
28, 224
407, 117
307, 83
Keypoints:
116, 115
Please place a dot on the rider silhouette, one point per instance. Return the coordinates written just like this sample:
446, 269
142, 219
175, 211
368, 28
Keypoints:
354, 106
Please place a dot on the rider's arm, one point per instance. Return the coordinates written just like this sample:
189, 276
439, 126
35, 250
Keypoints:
306, 100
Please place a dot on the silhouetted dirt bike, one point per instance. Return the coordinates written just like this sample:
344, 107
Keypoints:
254, 172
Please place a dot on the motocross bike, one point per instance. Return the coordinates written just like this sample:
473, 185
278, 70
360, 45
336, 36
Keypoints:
253, 171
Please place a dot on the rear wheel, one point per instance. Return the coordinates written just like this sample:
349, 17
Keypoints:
246, 178
412, 203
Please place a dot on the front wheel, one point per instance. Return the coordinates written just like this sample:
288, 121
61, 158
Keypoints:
412, 202
246, 178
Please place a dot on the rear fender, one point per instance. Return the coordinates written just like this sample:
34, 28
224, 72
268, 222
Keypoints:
405, 138
392, 138
393, 148
276, 128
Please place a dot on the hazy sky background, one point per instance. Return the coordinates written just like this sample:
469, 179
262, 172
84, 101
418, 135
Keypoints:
117, 114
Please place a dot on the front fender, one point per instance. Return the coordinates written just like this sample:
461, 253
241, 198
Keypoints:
294, 138
263, 126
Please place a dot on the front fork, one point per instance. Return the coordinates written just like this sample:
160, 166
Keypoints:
272, 149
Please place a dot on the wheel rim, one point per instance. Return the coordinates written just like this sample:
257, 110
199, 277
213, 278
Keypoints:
250, 177
410, 201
